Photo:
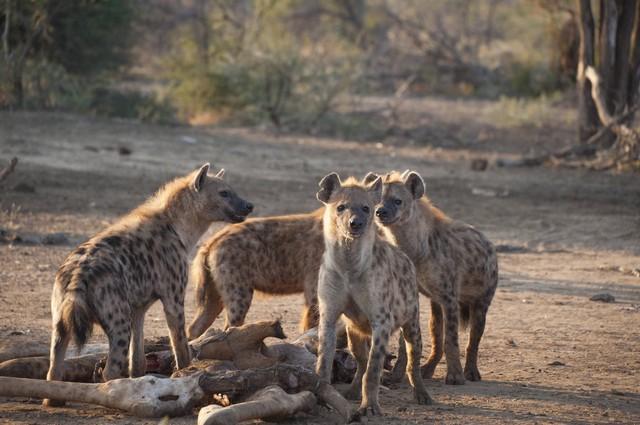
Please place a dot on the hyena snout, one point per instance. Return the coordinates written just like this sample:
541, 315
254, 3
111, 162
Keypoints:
386, 215
240, 209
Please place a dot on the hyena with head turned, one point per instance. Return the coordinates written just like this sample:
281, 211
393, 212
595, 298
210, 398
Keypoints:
456, 265
372, 283
272, 255
113, 278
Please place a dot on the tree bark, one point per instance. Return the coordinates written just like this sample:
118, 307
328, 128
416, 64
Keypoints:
609, 14
587, 116
633, 96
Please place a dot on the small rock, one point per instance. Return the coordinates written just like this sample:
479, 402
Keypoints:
189, 140
123, 150
556, 363
604, 297
479, 164
511, 343
55, 239
617, 392
24, 188
511, 249
25, 240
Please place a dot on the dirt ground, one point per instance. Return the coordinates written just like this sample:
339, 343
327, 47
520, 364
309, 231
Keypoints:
549, 354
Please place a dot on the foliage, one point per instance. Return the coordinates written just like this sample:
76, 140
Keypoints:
48, 46
254, 65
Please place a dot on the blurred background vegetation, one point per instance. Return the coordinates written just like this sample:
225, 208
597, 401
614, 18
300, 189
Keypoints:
295, 65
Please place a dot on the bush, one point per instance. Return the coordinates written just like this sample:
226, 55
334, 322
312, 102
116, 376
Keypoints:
264, 72
132, 105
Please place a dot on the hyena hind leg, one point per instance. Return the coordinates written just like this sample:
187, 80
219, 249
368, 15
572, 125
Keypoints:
359, 347
174, 313
60, 338
137, 359
436, 325
413, 344
477, 323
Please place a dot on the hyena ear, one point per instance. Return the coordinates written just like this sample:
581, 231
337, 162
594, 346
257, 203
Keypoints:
220, 173
375, 188
370, 177
328, 185
414, 184
200, 177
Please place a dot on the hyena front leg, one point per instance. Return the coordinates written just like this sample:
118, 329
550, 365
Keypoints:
331, 304
413, 343
174, 313
379, 342
477, 322
436, 325
359, 347
451, 347
60, 338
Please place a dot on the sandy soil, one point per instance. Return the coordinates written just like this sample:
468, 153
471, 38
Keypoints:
565, 235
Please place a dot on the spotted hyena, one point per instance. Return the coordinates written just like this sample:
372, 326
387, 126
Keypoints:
113, 278
456, 265
273, 255
372, 283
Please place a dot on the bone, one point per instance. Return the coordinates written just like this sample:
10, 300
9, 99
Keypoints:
148, 396
270, 403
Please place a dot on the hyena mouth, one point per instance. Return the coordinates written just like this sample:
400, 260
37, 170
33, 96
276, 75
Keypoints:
235, 217
387, 221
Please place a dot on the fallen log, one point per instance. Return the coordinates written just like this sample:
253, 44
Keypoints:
4, 173
270, 403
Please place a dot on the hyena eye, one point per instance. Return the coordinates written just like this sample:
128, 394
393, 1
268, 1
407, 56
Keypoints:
341, 207
365, 209
398, 201
224, 194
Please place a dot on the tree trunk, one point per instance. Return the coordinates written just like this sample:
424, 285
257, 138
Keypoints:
609, 14
587, 117
633, 96
622, 60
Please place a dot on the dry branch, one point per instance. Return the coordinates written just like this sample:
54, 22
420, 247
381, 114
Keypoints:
4, 173
270, 403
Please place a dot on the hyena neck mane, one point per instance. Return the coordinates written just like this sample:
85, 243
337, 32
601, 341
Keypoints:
412, 235
346, 253
173, 204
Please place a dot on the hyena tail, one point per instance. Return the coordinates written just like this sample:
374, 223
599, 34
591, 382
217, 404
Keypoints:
465, 314
208, 299
75, 313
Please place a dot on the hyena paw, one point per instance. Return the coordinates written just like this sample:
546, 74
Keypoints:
47, 402
454, 378
472, 373
369, 409
353, 392
422, 396
427, 370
